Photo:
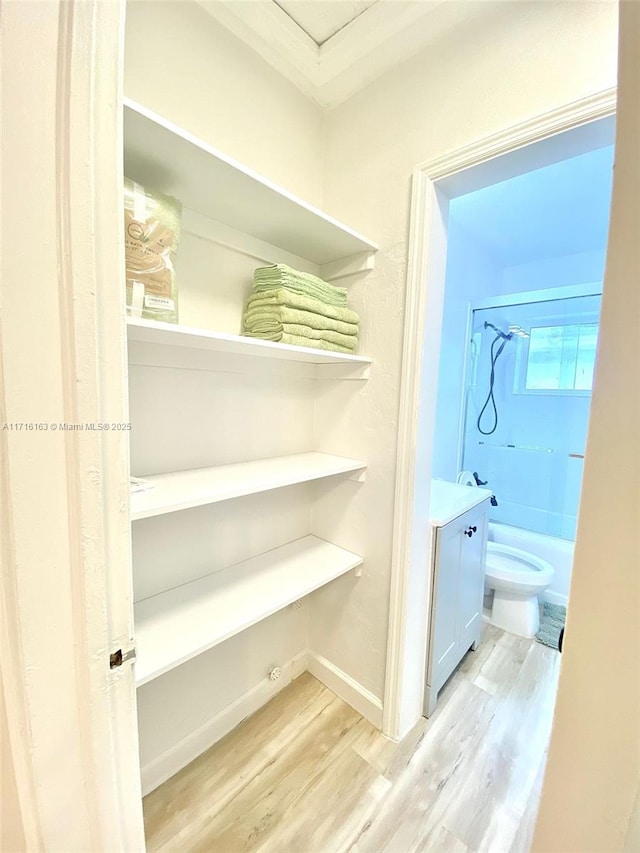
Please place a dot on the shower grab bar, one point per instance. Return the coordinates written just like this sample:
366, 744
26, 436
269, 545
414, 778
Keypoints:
528, 447
518, 447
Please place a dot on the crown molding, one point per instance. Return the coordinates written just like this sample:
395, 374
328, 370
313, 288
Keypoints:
381, 37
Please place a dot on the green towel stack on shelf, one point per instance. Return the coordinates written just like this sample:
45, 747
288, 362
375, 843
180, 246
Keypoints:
299, 308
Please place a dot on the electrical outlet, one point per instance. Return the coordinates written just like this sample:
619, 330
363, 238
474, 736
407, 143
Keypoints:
275, 673
297, 603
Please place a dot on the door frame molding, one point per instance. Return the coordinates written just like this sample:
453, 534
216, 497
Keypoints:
409, 604
65, 587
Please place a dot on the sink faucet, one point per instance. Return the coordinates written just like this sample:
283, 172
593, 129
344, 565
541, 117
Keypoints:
479, 482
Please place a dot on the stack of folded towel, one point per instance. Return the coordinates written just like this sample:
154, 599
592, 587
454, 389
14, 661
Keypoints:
299, 308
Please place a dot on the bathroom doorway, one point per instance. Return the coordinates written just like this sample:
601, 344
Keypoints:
581, 129
498, 362
523, 285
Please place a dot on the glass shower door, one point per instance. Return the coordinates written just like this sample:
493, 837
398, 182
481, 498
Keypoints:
527, 408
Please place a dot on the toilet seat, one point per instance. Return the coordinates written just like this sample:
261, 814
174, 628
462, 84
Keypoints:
505, 563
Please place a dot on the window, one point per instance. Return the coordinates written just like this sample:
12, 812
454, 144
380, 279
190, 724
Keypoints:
558, 358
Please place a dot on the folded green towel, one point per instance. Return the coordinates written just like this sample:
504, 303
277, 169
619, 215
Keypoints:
304, 283
286, 298
270, 318
349, 342
272, 330
296, 340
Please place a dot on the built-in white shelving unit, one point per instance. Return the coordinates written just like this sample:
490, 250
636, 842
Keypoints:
172, 335
177, 625
185, 489
160, 154
231, 397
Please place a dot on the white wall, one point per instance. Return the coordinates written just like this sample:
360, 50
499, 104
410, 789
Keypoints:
593, 771
497, 71
472, 274
581, 268
182, 64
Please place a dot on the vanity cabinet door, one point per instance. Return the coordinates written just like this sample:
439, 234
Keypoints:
444, 621
471, 590
456, 597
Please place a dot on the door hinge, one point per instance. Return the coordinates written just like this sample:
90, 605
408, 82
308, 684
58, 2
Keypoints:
119, 657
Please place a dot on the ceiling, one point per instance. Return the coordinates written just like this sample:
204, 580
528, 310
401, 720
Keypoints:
562, 209
330, 49
320, 21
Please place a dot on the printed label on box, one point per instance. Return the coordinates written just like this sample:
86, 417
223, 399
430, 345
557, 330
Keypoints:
158, 302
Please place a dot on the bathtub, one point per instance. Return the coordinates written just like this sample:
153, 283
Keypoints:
558, 552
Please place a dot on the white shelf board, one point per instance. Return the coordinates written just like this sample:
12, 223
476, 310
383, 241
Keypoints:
199, 486
177, 625
163, 156
171, 334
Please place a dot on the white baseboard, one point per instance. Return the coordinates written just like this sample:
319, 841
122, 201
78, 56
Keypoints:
186, 750
349, 690
554, 597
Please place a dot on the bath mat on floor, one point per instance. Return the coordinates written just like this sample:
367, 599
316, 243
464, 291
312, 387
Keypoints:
551, 623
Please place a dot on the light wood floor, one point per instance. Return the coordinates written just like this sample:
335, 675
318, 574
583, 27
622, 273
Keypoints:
307, 774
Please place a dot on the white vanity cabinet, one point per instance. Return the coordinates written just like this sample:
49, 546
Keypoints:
458, 552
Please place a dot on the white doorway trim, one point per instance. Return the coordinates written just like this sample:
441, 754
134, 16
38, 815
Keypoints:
70, 723
434, 182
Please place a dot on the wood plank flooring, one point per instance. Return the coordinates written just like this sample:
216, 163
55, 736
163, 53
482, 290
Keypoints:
307, 774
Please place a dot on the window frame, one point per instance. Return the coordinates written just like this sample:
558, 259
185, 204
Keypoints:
522, 363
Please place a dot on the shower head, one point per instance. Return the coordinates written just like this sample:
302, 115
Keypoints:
505, 336
518, 331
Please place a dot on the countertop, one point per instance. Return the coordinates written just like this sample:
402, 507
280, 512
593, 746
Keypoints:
449, 500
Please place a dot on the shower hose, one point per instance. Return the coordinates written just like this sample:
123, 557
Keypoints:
491, 401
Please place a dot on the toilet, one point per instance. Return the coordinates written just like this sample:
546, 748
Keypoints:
518, 578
